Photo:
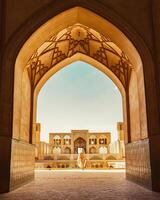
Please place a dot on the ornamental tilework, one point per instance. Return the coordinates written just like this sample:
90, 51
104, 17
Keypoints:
79, 39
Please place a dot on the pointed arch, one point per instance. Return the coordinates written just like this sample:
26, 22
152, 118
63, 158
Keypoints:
106, 28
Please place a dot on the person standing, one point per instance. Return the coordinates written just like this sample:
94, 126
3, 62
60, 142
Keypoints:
81, 160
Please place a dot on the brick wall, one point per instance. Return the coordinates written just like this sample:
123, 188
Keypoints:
138, 167
22, 163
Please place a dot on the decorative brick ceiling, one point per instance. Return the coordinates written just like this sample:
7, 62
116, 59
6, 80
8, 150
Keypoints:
79, 39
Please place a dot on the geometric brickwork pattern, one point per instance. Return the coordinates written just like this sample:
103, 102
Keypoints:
138, 165
79, 39
22, 163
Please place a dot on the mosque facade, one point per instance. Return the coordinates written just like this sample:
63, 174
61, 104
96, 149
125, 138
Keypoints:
63, 149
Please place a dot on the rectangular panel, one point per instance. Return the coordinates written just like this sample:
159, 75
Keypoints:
138, 167
22, 163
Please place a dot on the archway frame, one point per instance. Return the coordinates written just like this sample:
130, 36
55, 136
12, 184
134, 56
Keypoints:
82, 144
70, 17
102, 26
13, 46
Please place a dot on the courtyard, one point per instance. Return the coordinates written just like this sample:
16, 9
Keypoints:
82, 185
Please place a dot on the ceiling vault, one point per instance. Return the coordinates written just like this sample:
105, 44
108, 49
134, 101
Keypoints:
79, 39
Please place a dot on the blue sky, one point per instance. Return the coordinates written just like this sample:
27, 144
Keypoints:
79, 96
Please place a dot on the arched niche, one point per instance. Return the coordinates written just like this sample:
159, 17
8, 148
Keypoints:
92, 150
79, 143
67, 150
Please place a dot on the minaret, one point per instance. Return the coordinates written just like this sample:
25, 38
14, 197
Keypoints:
36, 138
37, 133
120, 130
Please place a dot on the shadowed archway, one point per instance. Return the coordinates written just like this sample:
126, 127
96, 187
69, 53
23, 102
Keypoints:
79, 143
32, 70
80, 42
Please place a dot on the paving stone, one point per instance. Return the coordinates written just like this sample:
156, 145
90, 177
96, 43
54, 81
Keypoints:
80, 185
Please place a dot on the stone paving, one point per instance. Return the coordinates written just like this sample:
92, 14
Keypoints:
80, 185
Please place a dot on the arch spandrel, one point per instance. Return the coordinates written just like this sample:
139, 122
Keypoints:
79, 39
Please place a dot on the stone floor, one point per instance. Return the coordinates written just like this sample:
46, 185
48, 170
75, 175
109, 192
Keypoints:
80, 185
